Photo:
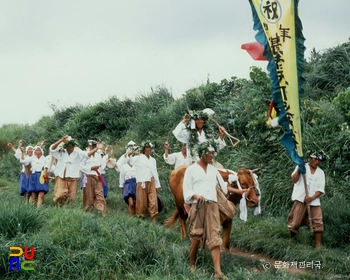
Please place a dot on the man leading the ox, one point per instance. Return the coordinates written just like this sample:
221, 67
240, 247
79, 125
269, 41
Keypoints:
199, 190
148, 182
315, 180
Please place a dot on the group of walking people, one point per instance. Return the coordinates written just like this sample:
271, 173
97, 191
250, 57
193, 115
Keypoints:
33, 180
66, 163
139, 178
140, 184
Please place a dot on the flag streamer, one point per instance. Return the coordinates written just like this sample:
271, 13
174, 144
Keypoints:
279, 31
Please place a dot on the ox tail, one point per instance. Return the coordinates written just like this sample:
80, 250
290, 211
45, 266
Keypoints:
172, 220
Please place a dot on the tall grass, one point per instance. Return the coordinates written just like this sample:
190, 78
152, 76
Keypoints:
72, 244
18, 218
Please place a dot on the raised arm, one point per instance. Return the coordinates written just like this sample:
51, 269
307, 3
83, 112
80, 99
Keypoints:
166, 149
55, 145
99, 145
180, 132
10, 145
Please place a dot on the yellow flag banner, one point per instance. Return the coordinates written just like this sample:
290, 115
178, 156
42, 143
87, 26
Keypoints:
279, 31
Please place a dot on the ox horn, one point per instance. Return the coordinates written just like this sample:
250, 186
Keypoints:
211, 113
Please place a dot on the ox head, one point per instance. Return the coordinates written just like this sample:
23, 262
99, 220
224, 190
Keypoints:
247, 180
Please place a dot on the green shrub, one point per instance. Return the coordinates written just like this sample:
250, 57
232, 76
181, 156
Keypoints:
328, 71
10, 168
19, 218
336, 220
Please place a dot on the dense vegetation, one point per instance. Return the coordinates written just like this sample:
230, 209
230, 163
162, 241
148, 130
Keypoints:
74, 245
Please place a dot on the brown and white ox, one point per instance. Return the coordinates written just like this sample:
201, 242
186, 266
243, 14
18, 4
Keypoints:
246, 181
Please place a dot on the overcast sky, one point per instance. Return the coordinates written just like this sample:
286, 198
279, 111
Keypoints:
66, 52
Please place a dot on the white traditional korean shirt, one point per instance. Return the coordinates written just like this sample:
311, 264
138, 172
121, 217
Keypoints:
18, 155
315, 182
178, 159
37, 164
146, 168
68, 164
126, 172
197, 181
93, 160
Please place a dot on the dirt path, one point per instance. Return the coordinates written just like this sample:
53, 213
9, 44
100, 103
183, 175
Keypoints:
266, 263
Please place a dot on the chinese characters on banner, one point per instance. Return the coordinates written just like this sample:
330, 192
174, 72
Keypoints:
279, 31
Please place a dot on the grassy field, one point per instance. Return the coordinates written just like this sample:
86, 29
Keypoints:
71, 244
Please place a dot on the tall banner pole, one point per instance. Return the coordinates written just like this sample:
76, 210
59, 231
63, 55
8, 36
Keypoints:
279, 31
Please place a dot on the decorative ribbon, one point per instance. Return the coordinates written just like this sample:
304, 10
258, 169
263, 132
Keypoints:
100, 177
